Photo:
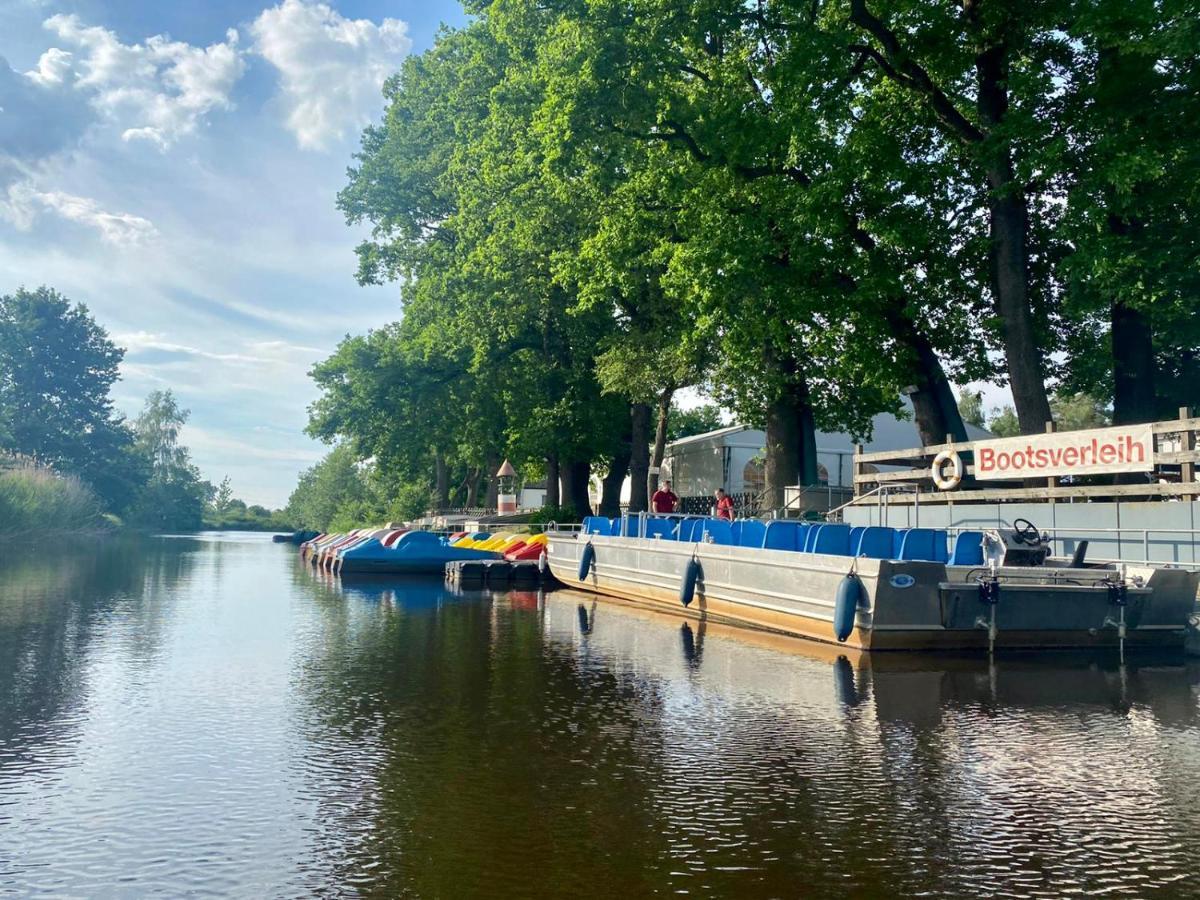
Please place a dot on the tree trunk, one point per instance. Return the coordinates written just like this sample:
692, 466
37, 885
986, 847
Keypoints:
806, 428
1133, 366
492, 464
553, 497
1007, 212
1122, 78
441, 475
472, 488
575, 476
935, 408
610, 490
660, 433
791, 439
639, 458
1009, 232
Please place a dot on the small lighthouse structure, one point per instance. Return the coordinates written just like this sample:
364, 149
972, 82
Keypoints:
506, 497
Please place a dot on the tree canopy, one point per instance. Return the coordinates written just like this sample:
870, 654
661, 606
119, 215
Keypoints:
807, 210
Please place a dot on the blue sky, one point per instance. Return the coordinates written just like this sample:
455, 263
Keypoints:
173, 166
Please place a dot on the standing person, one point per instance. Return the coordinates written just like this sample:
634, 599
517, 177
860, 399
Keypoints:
724, 505
664, 499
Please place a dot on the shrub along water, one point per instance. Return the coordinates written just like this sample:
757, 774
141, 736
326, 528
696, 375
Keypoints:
35, 499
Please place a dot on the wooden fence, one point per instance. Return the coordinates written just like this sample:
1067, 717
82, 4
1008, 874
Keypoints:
910, 472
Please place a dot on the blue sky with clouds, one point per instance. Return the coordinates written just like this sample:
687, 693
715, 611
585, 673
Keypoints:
174, 165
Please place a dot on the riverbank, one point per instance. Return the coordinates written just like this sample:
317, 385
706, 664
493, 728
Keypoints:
35, 500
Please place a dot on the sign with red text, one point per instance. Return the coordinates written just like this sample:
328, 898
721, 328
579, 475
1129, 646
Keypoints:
1098, 451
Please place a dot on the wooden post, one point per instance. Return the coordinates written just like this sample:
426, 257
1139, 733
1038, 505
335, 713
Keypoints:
1187, 442
857, 467
1052, 481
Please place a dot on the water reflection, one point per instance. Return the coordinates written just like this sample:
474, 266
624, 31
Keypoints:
907, 773
210, 716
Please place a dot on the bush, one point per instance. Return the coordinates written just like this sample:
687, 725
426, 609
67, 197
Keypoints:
559, 514
35, 499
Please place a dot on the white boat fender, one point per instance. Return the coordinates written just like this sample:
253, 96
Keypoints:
947, 479
587, 561
845, 607
687, 588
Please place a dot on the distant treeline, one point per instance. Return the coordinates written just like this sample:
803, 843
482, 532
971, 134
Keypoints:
68, 460
808, 210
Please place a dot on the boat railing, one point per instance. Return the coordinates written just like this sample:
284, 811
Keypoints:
1132, 545
562, 527
881, 493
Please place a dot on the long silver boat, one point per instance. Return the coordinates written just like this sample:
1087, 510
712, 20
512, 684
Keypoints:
1009, 594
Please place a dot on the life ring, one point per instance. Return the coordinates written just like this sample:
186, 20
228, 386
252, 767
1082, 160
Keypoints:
948, 481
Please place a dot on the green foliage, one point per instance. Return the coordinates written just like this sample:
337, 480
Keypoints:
175, 495
970, 407
807, 209
35, 500
558, 514
1073, 412
339, 493
695, 420
1003, 422
56, 369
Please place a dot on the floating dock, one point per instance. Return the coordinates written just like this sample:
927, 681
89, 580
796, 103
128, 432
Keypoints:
496, 573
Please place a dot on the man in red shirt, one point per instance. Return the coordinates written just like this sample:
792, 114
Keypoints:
664, 499
724, 505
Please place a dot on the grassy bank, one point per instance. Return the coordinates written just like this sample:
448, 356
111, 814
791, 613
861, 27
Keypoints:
35, 500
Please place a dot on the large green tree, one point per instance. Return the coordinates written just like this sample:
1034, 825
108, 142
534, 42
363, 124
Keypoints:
57, 367
175, 495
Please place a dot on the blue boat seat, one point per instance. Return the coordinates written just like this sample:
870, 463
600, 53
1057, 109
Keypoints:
875, 542
832, 539
627, 526
855, 537
660, 528
597, 525
968, 549
926, 544
810, 537
720, 530
750, 532
783, 535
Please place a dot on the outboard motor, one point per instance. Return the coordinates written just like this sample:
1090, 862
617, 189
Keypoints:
1021, 545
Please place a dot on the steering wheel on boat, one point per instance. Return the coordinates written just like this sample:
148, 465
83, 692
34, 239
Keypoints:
1025, 532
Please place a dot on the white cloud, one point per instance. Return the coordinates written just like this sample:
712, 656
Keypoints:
139, 341
331, 68
24, 204
53, 67
279, 354
157, 91
206, 441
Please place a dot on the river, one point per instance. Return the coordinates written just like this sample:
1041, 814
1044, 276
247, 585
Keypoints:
205, 715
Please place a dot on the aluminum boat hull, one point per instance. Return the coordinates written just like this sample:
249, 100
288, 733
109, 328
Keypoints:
906, 605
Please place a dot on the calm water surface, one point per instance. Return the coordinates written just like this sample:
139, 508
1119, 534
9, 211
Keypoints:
205, 716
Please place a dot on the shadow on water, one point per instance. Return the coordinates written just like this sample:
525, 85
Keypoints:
626, 748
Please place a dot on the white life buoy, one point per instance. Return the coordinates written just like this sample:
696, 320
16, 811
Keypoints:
947, 480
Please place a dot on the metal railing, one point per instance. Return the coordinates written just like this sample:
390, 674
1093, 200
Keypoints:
1063, 540
1143, 539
